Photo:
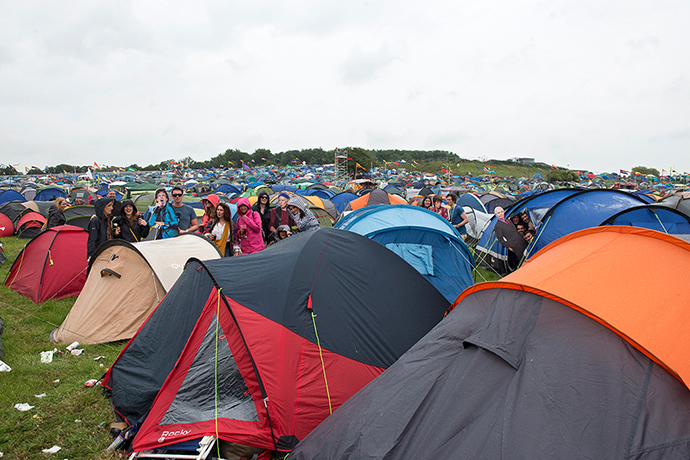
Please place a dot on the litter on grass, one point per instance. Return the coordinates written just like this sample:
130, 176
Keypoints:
52, 450
42, 395
4, 368
23, 407
47, 356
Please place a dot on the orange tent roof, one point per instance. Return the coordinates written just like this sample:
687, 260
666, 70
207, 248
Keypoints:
363, 201
620, 277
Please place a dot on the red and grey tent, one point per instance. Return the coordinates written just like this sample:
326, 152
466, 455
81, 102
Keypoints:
581, 353
29, 224
261, 348
51, 266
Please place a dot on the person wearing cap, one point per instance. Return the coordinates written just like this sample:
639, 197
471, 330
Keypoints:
117, 206
163, 216
130, 225
280, 215
185, 213
507, 234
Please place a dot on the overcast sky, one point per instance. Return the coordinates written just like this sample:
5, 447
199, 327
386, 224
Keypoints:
598, 85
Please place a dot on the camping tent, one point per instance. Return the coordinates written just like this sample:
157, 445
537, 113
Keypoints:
294, 331
10, 195
51, 266
6, 226
586, 208
422, 238
29, 224
655, 217
534, 366
376, 196
50, 193
125, 283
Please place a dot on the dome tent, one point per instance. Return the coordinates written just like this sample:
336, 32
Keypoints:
600, 372
369, 307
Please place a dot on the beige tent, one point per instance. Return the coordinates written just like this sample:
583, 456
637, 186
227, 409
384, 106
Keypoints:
125, 283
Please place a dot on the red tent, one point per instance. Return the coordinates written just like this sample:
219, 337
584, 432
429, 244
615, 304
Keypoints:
51, 266
29, 224
6, 226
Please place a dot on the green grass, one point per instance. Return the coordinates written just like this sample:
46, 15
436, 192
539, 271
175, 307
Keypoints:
71, 416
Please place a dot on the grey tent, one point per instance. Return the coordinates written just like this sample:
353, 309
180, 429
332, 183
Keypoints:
532, 367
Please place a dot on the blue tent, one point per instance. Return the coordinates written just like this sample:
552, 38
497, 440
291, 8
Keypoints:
423, 238
340, 200
227, 189
655, 217
10, 195
536, 206
471, 200
49, 194
323, 194
104, 191
584, 209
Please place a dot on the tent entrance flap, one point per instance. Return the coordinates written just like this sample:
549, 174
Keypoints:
420, 256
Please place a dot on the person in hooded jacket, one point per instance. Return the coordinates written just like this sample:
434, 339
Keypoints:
280, 214
210, 203
248, 228
130, 225
262, 207
163, 216
304, 218
56, 214
100, 227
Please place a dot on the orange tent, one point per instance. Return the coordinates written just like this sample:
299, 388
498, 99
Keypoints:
376, 196
600, 272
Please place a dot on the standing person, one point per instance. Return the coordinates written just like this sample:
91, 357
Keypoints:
507, 234
163, 216
438, 207
185, 213
304, 218
248, 230
262, 207
56, 213
426, 203
281, 215
458, 216
130, 225
222, 232
100, 228
210, 203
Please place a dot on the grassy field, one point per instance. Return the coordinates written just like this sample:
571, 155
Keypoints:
71, 416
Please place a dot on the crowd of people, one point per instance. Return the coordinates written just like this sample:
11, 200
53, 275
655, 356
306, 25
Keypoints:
254, 228
456, 215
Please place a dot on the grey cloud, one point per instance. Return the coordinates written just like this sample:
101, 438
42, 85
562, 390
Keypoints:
361, 66
636, 44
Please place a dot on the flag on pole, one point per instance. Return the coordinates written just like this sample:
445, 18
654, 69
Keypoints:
623, 171
96, 165
360, 166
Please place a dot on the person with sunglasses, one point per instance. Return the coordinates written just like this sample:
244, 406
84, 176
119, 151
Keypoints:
185, 213
262, 206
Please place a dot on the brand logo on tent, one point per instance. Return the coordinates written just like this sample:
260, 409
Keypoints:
176, 266
171, 434
113, 257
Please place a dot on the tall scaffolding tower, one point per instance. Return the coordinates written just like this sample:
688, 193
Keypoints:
341, 165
